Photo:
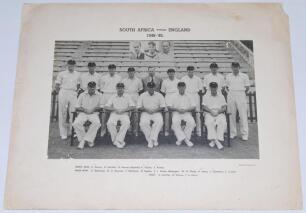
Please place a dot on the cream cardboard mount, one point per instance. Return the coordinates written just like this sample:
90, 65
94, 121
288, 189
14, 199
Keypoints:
270, 182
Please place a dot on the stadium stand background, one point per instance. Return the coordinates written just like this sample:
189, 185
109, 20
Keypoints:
199, 53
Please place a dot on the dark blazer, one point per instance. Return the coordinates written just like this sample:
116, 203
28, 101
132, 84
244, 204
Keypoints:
135, 57
157, 81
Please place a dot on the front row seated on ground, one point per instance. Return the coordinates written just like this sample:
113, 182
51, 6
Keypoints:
151, 104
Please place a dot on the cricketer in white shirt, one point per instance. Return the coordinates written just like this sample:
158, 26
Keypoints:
66, 84
89, 77
238, 85
151, 104
218, 78
193, 86
132, 84
214, 107
88, 105
182, 105
169, 87
214, 76
108, 84
119, 104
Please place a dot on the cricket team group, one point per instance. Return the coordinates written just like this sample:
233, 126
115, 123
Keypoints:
151, 97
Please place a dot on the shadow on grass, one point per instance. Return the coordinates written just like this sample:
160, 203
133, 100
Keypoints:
136, 148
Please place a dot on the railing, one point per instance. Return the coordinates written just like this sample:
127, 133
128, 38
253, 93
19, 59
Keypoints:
252, 112
54, 106
243, 51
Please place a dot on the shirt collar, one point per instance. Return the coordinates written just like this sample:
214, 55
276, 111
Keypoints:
86, 92
214, 96
151, 55
71, 72
121, 96
152, 94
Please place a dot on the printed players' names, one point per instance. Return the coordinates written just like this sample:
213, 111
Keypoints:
158, 171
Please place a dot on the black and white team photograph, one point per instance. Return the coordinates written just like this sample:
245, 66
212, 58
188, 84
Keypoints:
174, 99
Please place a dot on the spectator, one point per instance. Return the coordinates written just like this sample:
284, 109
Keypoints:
152, 53
137, 54
166, 54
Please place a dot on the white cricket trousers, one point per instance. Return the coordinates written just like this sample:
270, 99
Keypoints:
181, 134
195, 96
151, 132
66, 101
168, 98
91, 133
216, 126
237, 101
112, 126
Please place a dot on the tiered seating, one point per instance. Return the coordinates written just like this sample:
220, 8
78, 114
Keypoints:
66, 49
197, 53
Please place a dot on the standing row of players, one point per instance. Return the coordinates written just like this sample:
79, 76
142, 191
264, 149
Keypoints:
236, 85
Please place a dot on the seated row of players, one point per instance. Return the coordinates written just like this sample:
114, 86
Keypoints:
236, 85
150, 104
